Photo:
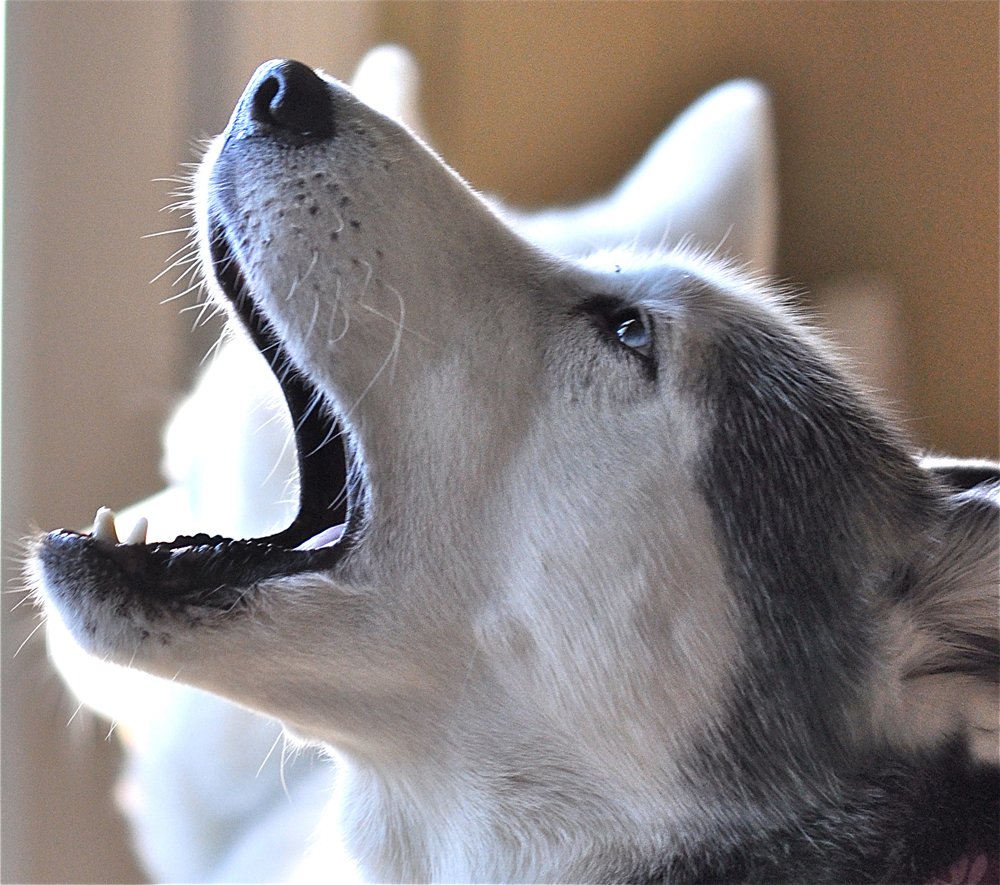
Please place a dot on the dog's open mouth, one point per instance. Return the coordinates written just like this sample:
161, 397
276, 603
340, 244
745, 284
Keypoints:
328, 478
201, 566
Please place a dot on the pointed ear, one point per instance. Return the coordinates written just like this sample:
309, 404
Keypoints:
388, 79
710, 178
946, 624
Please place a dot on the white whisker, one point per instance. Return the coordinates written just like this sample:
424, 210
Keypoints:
395, 321
189, 258
300, 280
267, 755
76, 712
27, 638
389, 359
209, 309
368, 278
277, 461
337, 302
213, 352
164, 233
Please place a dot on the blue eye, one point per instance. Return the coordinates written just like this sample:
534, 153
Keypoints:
633, 331
623, 324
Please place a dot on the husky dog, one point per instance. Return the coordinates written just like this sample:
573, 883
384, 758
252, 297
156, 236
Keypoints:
603, 569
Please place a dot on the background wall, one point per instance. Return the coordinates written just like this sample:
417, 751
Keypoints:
887, 128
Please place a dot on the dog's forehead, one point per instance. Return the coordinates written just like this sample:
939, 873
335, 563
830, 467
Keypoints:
685, 281
647, 279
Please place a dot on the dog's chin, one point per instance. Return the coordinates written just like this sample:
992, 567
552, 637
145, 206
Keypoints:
94, 579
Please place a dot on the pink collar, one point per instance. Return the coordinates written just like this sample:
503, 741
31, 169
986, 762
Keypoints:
971, 869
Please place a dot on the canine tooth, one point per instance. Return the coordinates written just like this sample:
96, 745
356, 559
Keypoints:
104, 526
138, 533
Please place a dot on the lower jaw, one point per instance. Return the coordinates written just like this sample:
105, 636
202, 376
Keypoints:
191, 570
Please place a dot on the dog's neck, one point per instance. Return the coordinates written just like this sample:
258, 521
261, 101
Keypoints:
491, 821
459, 823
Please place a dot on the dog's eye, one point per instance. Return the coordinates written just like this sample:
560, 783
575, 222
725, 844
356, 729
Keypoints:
629, 326
633, 331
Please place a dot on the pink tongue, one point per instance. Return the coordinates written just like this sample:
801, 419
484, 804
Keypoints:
325, 537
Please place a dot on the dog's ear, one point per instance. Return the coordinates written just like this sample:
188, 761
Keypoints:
710, 179
946, 621
388, 79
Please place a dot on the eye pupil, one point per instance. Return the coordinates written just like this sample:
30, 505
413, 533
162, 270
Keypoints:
632, 332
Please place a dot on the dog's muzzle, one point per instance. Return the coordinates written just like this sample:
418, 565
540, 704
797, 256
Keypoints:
285, 108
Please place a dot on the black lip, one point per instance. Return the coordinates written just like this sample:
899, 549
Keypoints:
210, 573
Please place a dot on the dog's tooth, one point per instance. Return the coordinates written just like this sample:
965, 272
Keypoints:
104, 526
138, 533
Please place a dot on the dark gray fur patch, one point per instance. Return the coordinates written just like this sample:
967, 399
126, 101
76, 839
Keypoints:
812, 497
894, 821
816, 505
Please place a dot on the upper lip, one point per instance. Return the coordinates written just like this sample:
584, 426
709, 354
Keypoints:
326, 477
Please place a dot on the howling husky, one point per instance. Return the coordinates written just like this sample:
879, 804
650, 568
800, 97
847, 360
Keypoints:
603, 569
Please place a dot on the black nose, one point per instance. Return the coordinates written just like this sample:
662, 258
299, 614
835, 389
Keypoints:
289, 96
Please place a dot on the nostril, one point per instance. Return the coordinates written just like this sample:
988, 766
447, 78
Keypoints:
267, 89
292, 97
